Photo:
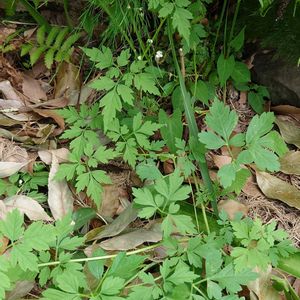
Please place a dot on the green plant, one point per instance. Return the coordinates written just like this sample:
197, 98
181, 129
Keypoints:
26, 183
259, 145
53, 45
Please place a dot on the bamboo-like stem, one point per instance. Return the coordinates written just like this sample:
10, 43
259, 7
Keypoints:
197, 148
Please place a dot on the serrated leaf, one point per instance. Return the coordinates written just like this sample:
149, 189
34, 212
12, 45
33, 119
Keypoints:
104, 83
166, 10
184, 224
146, 82
256, 102
52, 35
181, 21
36, 53
126, 93
12, 225
173, 128
49, 56
227, 175
210, 140
123, 58
40, 35
60, 37
221, 119
225, 67
111, 103
259, 126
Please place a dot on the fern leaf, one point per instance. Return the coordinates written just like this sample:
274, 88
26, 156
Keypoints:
52, 35
70, 41
40, 35
35, 55
49, 58
26, 48
60, 37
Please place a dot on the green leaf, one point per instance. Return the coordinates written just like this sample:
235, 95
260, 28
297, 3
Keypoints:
104, 83
148, 170
36, 53
238, 140
123, 58
22, 256
181, 21
49, 57
146, 82
221, 119
126, 93
201, 91
241, 73
232, 281
166, 10
256, 102
40, 35
172, 129
12, 225
103, 57
112, 286
259, 126
104, 155
111, 103
225, 67
97, 267
227, 175
184, 224
52, 35
210, 140
182, 274
238, 42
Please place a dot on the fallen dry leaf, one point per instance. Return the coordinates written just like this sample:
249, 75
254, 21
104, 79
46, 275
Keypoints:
261, 288
47, 113
32, 89
232, 207
62, 155
276, 188
250, 188
12, 158
21, 289
60, 198
290, 163
30, 207
131, 240
118, 224
287, 110
289, 129
9, 168
221, 160
68, 83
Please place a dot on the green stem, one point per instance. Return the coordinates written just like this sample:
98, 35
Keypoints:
79, 260
36, 15
154, 36
197, 148
237, 8
66, 10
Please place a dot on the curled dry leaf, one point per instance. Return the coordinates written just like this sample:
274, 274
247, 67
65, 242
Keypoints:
290, 163
261, 288
131, 240
276, 188
289, 129
32, 89
30, 207
287, 110
221, 160
21, 289
232, 207
118, 224
62, 155
12, 158
60, 198
68, 83
250, 188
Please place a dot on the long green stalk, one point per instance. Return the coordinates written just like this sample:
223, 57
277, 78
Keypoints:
36, 15
197, 148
